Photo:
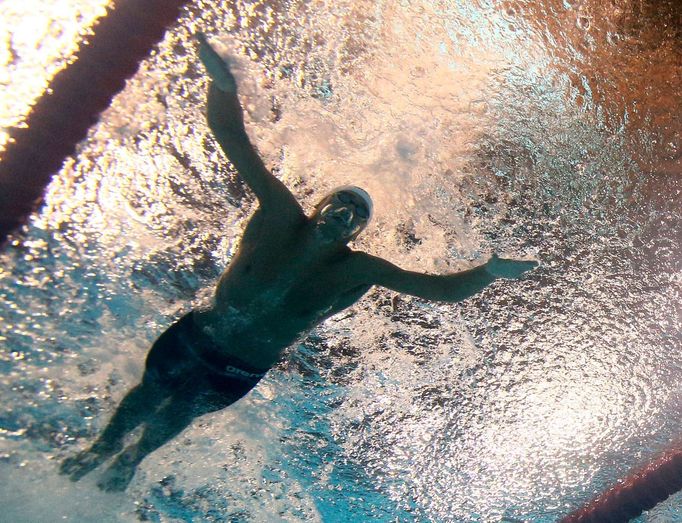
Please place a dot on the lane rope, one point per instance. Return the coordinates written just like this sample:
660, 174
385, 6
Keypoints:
75, 98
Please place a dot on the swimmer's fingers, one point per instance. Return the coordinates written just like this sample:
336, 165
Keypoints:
509, 269
201, 38
216, 67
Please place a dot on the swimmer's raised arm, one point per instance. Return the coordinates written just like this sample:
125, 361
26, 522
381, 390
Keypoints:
226, 119
447, 287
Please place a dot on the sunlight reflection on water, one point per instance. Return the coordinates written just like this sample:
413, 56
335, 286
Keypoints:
476, 127
37, 39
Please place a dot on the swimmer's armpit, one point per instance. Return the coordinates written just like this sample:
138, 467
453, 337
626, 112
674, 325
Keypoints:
446, 287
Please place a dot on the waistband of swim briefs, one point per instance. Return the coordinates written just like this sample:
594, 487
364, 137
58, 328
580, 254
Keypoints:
207, 352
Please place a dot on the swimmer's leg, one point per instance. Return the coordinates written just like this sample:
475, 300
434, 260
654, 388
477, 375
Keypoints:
140, 403
188, 403
166, 423
167, 367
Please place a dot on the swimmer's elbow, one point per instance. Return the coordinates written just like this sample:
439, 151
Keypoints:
231, 138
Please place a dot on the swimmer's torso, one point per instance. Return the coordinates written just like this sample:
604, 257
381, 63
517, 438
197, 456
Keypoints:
274, 291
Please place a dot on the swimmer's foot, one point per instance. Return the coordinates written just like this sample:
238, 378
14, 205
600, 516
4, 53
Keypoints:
84, 462
119, 474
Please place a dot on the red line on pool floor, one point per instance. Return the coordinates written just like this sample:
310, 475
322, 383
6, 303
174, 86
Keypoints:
74, 100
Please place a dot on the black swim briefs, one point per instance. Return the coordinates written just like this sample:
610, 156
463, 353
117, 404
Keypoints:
182, 357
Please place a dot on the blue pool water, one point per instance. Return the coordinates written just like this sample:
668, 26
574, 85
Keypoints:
542, 130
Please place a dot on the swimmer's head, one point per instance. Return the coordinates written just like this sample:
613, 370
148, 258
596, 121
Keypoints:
343, 214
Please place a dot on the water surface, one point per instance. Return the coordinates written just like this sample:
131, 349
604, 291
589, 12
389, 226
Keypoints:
526, 128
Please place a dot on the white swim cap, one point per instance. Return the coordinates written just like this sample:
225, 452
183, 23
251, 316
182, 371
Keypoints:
364, 196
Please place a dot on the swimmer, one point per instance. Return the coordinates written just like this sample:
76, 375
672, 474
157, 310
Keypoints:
291, 272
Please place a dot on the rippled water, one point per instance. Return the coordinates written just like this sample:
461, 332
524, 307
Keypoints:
544, 128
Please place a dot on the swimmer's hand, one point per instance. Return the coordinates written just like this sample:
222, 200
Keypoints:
223, 110
216, 67
508, 269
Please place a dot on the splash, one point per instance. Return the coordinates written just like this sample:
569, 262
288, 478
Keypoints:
487, 126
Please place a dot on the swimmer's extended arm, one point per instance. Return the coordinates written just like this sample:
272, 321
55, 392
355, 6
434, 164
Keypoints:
447, 287
226, 120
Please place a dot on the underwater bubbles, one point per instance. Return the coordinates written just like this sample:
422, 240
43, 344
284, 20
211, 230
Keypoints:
542, 129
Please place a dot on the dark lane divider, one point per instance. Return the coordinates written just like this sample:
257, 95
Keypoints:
640, 491
76, 96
